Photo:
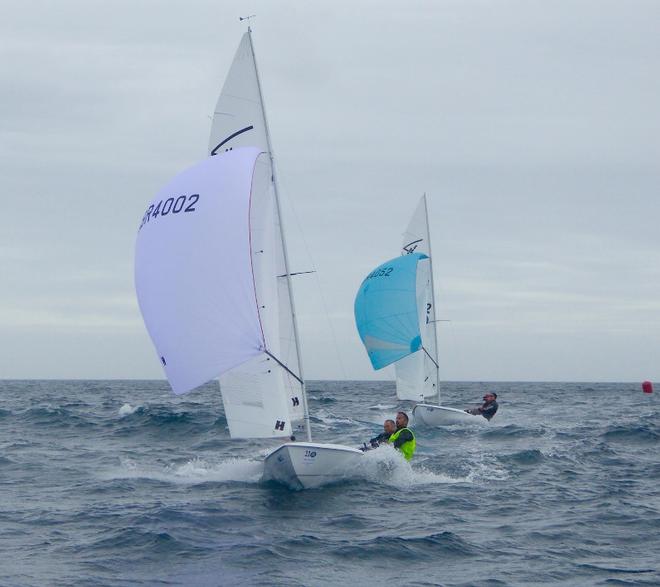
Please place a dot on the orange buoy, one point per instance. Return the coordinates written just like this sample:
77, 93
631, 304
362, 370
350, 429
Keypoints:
647, 387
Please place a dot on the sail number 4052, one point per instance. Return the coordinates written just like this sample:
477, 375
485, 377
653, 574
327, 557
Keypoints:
385, 272
171, 205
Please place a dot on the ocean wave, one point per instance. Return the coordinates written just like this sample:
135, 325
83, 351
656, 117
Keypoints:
324, 400
128, 409
352, 521
163, 421
138, 543
382, 407
587, 479
49, 416
523, 457
512, 431
611, 569
637, 433
193, 472
474, 466
329, 418
409, 547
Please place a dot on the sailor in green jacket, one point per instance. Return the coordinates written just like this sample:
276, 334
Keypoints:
403, 439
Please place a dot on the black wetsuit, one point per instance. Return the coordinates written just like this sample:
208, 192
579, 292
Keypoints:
487, 410
380, 439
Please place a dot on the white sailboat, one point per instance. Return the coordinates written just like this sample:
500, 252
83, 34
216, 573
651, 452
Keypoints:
229, 311
417, 375
421, 371
396, 319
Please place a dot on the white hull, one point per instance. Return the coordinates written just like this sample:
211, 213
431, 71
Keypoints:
305, 465
444, 416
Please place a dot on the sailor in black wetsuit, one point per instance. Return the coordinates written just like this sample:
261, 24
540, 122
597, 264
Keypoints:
488, 408
389, 427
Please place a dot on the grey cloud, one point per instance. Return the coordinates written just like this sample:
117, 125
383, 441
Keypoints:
533, 127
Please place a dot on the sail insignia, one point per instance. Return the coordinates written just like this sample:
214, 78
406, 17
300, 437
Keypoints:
410, 247
215, 150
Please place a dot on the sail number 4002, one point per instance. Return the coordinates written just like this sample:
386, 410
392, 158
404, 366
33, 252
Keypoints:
171, 205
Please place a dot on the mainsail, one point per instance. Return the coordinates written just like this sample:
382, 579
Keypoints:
239, 120
417, 374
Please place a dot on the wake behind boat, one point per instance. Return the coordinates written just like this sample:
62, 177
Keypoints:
214, 286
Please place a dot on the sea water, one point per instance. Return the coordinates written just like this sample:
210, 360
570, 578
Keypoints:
122, 483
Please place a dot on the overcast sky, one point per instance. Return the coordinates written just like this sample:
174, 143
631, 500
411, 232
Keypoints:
533, 127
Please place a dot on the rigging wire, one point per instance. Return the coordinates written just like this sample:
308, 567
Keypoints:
317, 281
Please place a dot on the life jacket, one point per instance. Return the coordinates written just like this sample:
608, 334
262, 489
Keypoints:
407, 448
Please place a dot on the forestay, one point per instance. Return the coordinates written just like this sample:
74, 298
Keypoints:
239, 120
386, 311
417, 374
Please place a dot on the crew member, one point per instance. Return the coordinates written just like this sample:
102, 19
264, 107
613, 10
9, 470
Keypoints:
389, 427
488, 408
403, 439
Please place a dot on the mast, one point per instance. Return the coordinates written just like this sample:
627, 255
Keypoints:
284, 247
435, 329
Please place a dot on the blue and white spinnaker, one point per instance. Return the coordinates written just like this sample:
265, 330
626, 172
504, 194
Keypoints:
386, 311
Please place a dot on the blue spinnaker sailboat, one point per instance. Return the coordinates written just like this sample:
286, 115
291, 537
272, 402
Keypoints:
386, 311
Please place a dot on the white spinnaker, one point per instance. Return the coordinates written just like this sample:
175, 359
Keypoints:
417, 374
239, 120
193, 273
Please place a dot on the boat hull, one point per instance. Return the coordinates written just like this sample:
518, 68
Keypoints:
306, 465
443, 416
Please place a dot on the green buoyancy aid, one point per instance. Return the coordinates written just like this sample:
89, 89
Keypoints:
407, 448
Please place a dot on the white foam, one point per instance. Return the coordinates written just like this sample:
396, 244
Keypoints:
387, 466
193, 472
127, 410
328, 418
481, 471
484, 466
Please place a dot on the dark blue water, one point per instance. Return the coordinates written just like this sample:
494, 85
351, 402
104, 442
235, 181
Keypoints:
121, 483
